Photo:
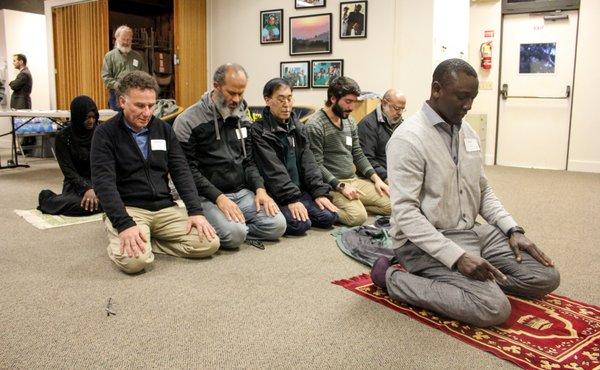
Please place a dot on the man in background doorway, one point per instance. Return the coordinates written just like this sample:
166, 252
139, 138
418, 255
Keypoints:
375, 129
118, 62
21, 95
21, 85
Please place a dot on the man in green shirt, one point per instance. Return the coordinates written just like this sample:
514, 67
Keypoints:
334, 141
118, 62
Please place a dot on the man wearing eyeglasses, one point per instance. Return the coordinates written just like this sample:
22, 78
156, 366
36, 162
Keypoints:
376, 128
283, 156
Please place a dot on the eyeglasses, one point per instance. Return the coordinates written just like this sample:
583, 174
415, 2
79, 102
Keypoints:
285, 99
395, 107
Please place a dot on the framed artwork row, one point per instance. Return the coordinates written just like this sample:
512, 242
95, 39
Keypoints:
316, 73
312, 34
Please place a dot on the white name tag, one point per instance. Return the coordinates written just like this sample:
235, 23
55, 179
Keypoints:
136, 63
471, 145
349, 140
244, 133
158, 144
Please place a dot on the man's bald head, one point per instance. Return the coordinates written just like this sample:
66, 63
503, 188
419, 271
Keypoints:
393, 105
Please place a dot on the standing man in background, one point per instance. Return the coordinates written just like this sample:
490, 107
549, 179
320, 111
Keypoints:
118, 62
21, 85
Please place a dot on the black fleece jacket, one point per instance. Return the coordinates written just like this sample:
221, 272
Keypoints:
122, 177
270, 156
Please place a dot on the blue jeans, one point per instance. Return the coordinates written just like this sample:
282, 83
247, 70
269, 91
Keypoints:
317, 217
258, 225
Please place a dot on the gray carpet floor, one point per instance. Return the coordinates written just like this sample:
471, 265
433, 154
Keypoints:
274, 308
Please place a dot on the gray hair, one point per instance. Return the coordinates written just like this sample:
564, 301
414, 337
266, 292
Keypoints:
137, 80
121, 29
219, 76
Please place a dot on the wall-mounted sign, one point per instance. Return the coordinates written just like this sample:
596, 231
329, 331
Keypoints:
488, 33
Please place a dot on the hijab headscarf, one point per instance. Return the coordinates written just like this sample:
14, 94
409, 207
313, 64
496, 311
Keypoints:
80, 107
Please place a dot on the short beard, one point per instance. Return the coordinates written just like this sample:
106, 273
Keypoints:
223, 108
123, 49
391, 121
338, 111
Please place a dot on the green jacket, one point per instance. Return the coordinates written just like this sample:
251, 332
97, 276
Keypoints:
117, 64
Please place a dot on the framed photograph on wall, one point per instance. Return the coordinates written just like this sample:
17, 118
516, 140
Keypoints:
297, 73
271, 26
302, 4
323, 70
310, 34
353, 19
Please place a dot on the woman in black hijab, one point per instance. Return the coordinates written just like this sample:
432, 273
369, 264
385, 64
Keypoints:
73, 154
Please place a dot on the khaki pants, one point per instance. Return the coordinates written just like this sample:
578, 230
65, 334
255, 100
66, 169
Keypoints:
165, 233
354, 212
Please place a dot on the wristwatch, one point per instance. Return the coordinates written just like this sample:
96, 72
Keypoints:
340, 186
515, 229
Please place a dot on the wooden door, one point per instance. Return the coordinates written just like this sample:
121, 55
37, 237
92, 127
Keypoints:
190, 48
80, 41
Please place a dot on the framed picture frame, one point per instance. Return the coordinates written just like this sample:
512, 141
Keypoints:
297, 73
322, 71
310, 34
353, 19
271, 26
303, 4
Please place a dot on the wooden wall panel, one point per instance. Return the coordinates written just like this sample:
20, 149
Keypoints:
190, 47
80, 41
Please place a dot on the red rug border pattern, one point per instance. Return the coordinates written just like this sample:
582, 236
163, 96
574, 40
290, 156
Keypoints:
546, 362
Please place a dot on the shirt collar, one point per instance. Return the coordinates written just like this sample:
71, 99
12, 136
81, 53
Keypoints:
435, 119
140, 132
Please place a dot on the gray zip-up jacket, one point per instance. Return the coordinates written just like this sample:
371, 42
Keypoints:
218, 151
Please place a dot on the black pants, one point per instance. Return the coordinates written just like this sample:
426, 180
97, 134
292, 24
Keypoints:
68, 203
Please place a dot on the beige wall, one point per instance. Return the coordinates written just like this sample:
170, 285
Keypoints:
398, 52
24, 33
486, 16
584, 152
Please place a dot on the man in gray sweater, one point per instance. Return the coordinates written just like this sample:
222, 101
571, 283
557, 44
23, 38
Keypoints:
455, 266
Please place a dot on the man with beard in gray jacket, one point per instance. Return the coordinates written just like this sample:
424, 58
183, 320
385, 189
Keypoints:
214, 134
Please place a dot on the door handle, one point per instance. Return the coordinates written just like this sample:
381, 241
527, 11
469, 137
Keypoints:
504, 93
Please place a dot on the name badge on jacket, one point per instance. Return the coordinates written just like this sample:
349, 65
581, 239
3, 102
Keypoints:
136, 63
349, 140
244, 133
158, 144
471, 145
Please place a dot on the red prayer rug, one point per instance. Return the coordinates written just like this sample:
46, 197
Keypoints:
553, 333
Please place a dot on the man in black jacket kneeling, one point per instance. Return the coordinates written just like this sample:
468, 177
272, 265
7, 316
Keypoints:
283, 155
131, 157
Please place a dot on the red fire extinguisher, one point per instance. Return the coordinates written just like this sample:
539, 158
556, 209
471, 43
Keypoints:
486, 55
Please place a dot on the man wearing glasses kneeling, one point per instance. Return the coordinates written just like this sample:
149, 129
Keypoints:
375, 129
284, 158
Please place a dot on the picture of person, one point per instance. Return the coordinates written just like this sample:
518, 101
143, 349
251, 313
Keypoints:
296, 73
271, 26
353, 19
323, 71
